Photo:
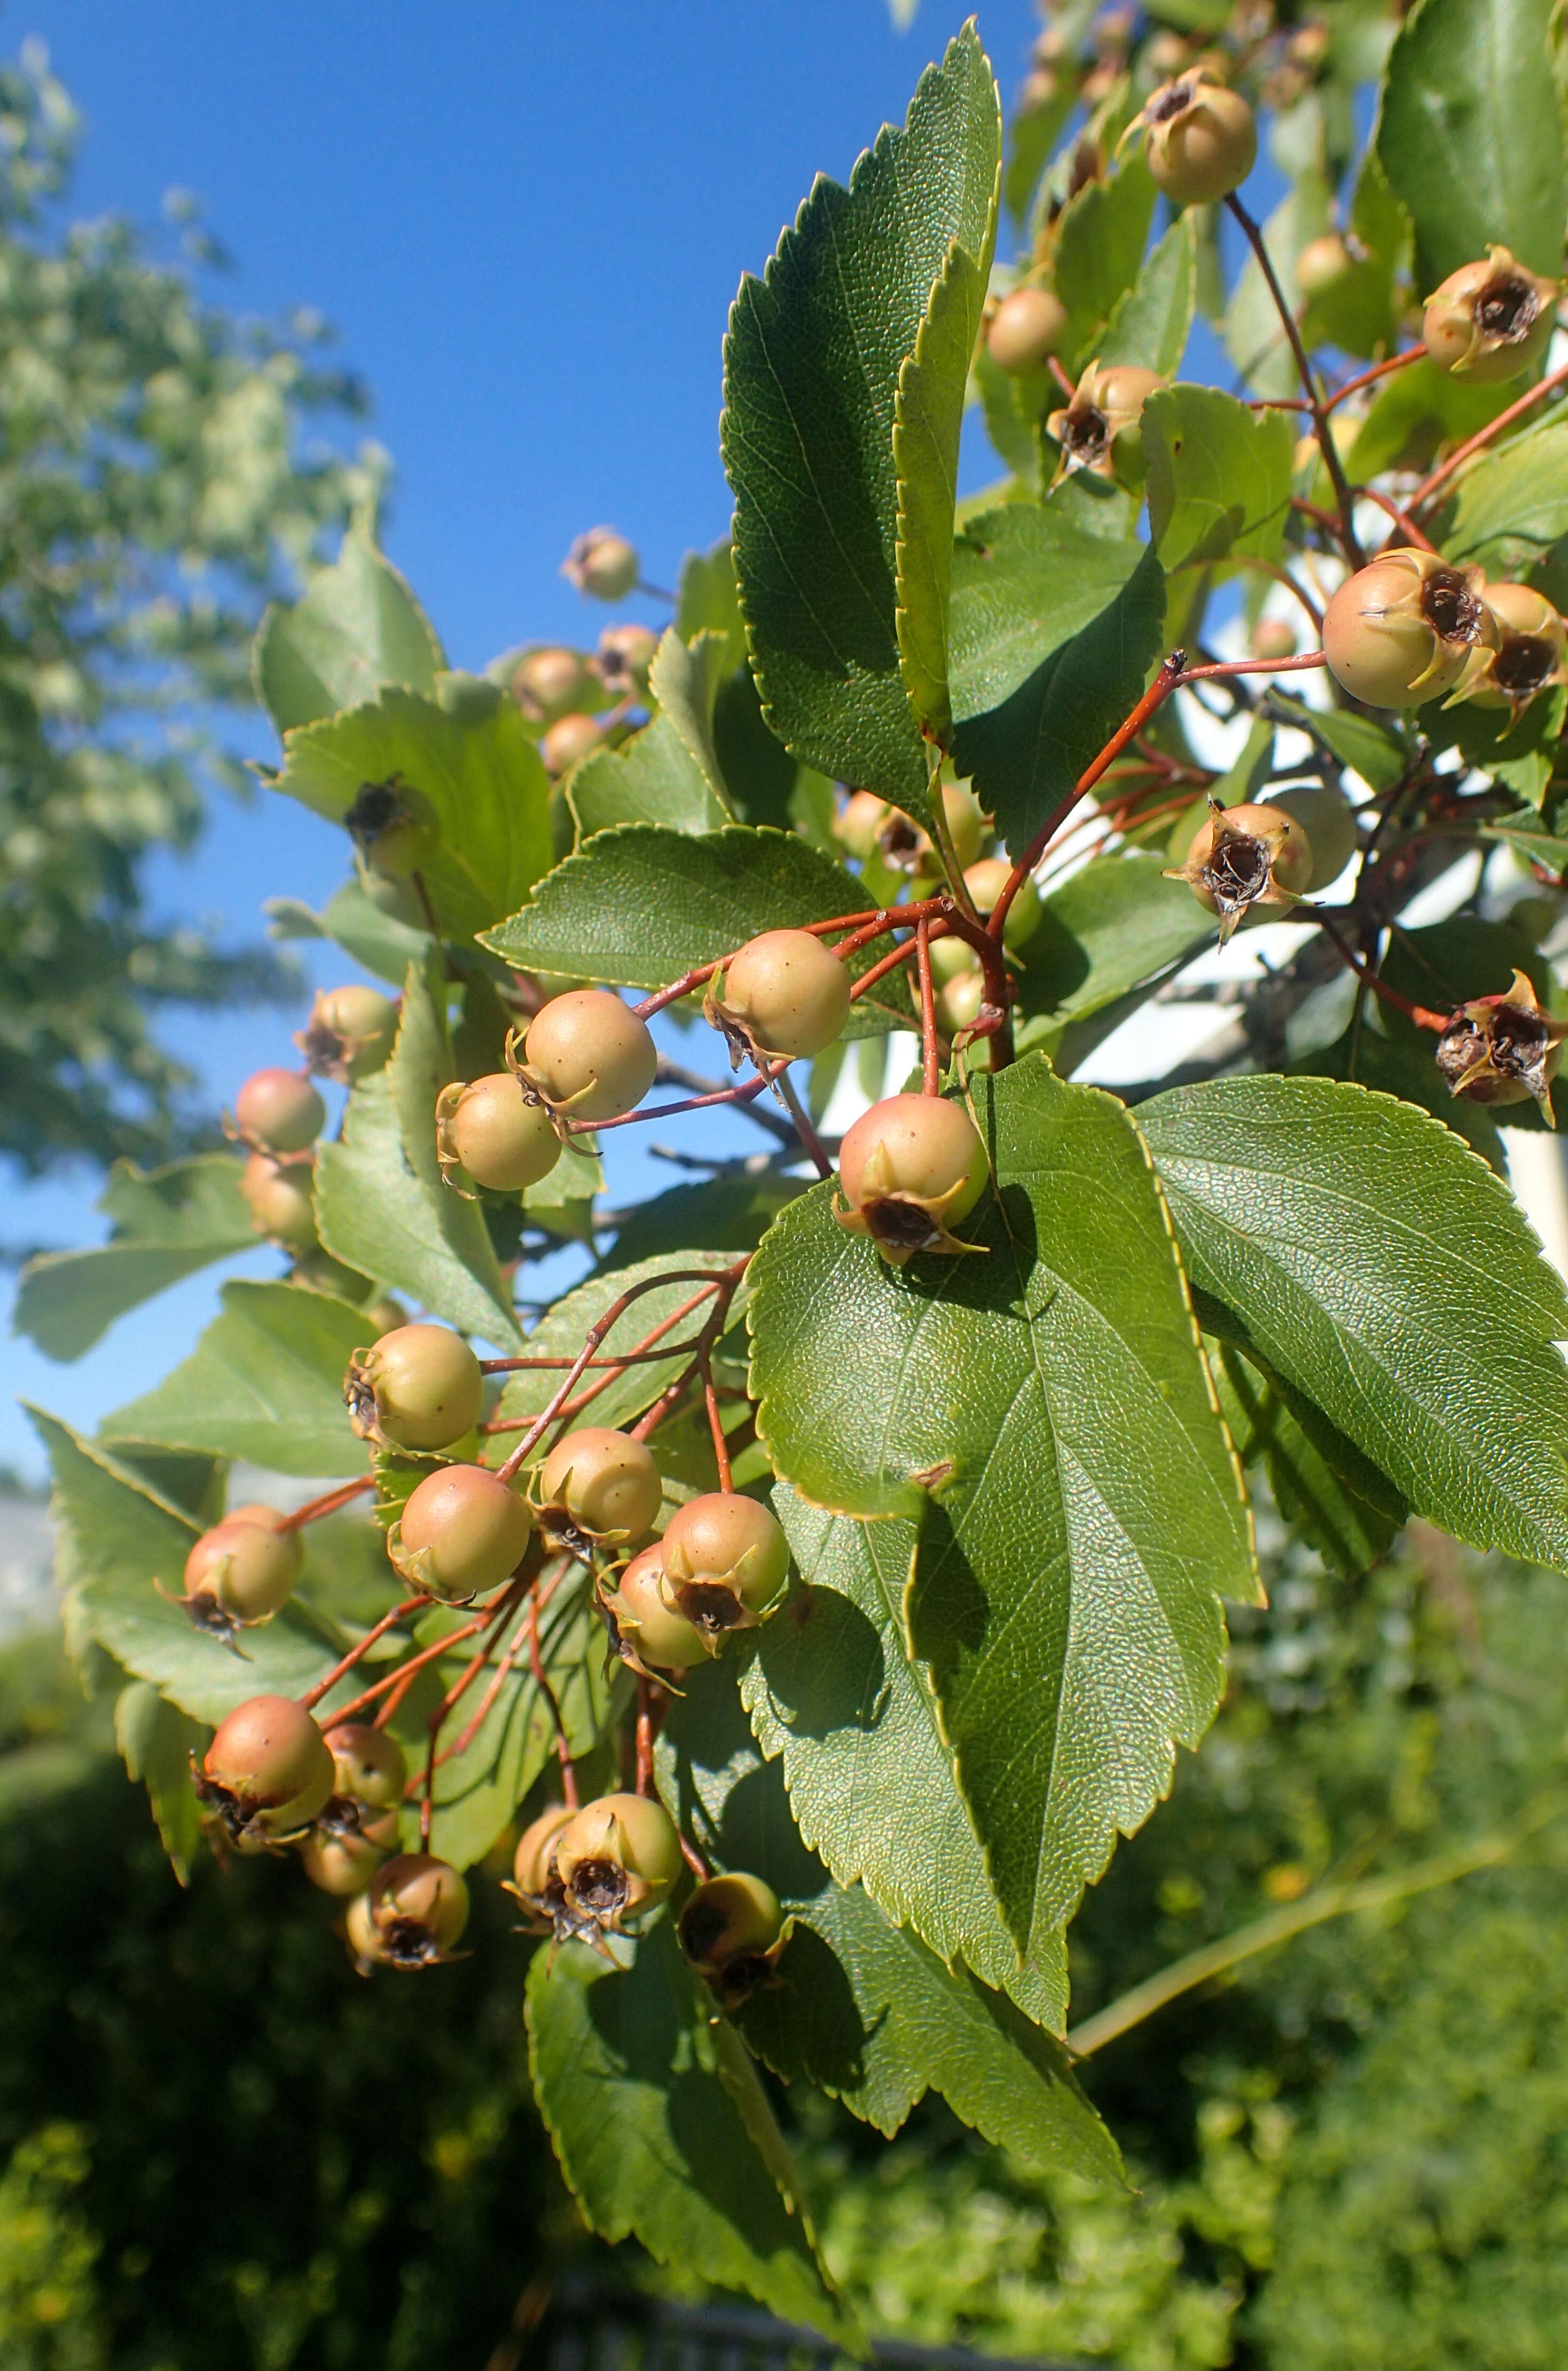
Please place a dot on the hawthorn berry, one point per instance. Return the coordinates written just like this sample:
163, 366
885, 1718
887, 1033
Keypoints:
1402, 631
369, 1765
280, 1201
267, 1771
393, 827
588, 1054
724, 1562
462, 1532
1328, 820
625, 654
341, 1857
1531, 650
350, 1033
784, 993
533, 1863
960, 1000
568, 740
1027, 328
859, 822
546, 682
647, 1630
277, 1111
1098, 429
985, 882
1273, 638
492, 1131
1503, 1049
616, 1858
415, 1909
1200, 139
418, 1387
603, 1483
602, 563
384, 1314
1322, 263
1491, 321
243, 1569
910, 1167
732, 1931
1245, 856
967, 821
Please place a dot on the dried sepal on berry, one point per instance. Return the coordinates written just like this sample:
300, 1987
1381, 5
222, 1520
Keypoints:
347, 1846
1200, 138
241, 1571
1403, 630
1530, 653
349, 1033
723, 1563
602, 563
910, 1169
1492, 321
418, 1388
1098, 431
1503, 1049
616, 1858
412, 1916
624, 655
1245, 856
650, 1635
734, 1933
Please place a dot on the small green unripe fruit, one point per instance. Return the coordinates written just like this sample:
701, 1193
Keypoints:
910, 1167
1531, 650
277, 1111
1273, 638
1328, 819
569, 739
279, 1199
418, 1907
1402, 631
658, 1637
462, 1533
1322, 264
1201, 140
617, 1856
1027, 328
350, 1033
724, 1562
1100, 429
249, 1569
789, 992
732, 1917
384, 1315
418, 1387
605, 1483
589, 1054
951, 959
985, 882
1491, 321
268, 1769
625, 654
369, 1765
859, 822
393, 827
533, 1864
343, 1860
546, 682
496, 1134
602, 563
959, 1004
968, 823
1245, 856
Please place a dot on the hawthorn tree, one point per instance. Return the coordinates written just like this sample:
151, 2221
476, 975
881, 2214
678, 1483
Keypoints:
804, 1603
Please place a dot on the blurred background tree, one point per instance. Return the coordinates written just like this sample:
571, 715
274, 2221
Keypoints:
153, 493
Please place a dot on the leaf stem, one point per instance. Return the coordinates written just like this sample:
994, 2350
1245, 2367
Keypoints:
930, 1080
595, 1336
1483, 437
328, 1504
802, 1118
361, 1647
1422, 1015
1378, 370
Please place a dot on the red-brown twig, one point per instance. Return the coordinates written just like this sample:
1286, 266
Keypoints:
643, 1355
803, 1127
930, 1079
622, 1358
362, 1647
400, 1680
1401, 519
595, 1334
453, 1697
562, 1752
647, 1731
1421, 1015
1378, 370
715, 1421
1483, 437
328, 1504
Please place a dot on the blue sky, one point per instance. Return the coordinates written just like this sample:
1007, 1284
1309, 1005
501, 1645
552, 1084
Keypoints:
527, 223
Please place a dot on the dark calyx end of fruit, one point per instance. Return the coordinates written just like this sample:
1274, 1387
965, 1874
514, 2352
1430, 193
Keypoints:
377, 807
1238, 871
203, 1613
1167, 104
1450, 607
1524, 662
409, 1943
1507, 308
899, 1225
709, 1606
598, 1888
1087, 432
359, 1398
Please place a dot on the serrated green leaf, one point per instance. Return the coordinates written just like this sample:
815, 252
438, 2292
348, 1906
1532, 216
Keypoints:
866, 2012
1108, 927
764, 785
1518, 751
928, 416
833, 1691
155, 1742
1510, 505
1415, 411
650, 2138
640, 906
1100, 239
1321, 1484
1153, 321
812, 362
1219, 476
668, 773
1384, 1271
708, 601
1471, 134
1052, 631
560, 1331
380, 1203
117, 1538
357, 627
166, 1224
1400, 1065
475, 762
1046, 1404
264, 1382
350, 920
